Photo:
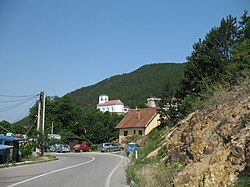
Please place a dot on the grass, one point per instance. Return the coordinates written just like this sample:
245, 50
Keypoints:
30, 159
38, 158
243, 181
243, 178
151, 172
154, 140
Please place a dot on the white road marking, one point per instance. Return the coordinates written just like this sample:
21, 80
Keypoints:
55, 171
107, 182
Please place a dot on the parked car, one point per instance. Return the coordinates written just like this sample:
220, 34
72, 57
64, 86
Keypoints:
52, 148
107, 147
81, 147
63, 148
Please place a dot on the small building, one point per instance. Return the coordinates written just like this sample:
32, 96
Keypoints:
5, 153
138, 121
112, 106
9, 149
152, 102
76, 140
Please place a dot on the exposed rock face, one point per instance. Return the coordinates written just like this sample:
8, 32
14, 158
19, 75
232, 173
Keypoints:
214, 142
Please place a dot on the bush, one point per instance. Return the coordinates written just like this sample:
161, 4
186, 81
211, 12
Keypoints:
27, 150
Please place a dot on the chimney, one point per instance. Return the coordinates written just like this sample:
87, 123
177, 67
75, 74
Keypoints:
138, 113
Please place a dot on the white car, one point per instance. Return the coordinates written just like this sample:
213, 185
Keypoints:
107, 147
63, 148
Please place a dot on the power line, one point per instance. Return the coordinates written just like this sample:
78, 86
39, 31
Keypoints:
25, 113
1, 95
12, 101
31, 126
16, 105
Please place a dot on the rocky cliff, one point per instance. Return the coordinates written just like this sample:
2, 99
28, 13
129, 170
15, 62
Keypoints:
213, 142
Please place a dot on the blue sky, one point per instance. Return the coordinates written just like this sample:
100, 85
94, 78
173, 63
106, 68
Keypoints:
62, 45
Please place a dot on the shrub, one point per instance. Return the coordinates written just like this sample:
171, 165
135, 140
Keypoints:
27, 150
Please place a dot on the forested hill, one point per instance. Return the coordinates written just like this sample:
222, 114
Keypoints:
132, 88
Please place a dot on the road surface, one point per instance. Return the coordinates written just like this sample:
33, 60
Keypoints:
70, 170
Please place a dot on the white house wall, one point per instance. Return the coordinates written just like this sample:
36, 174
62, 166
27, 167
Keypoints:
118, 108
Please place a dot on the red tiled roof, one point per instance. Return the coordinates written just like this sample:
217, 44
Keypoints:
137, 118
111, 102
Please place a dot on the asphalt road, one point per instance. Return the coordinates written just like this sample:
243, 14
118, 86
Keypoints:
70, 170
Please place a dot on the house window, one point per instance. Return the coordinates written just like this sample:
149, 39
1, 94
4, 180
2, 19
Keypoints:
134, 131
125, 133
140, 132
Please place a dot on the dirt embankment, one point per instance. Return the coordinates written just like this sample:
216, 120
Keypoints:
214, 142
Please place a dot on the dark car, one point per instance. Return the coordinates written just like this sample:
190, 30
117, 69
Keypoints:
82, 147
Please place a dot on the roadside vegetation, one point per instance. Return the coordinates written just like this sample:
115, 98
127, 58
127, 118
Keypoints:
151, 171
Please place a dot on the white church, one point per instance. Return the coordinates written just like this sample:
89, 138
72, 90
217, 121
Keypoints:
112, 106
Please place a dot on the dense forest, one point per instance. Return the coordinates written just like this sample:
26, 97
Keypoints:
133, 88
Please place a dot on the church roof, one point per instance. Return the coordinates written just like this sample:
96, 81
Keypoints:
111, 102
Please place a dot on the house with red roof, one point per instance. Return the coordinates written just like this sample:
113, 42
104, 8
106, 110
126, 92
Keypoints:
138, 121
113, 106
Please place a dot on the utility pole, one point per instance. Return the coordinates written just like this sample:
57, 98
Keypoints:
43, 117
41, 113
40, 120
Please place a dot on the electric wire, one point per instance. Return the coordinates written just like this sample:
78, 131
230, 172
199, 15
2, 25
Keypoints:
31, 127
26, 112
18, 102
16, 105
1, 95
12, 101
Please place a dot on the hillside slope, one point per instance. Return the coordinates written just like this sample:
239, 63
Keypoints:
132, 88
214, 142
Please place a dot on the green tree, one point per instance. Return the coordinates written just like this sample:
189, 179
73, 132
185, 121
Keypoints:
5, 127
223, 56
209, 60
239, 68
